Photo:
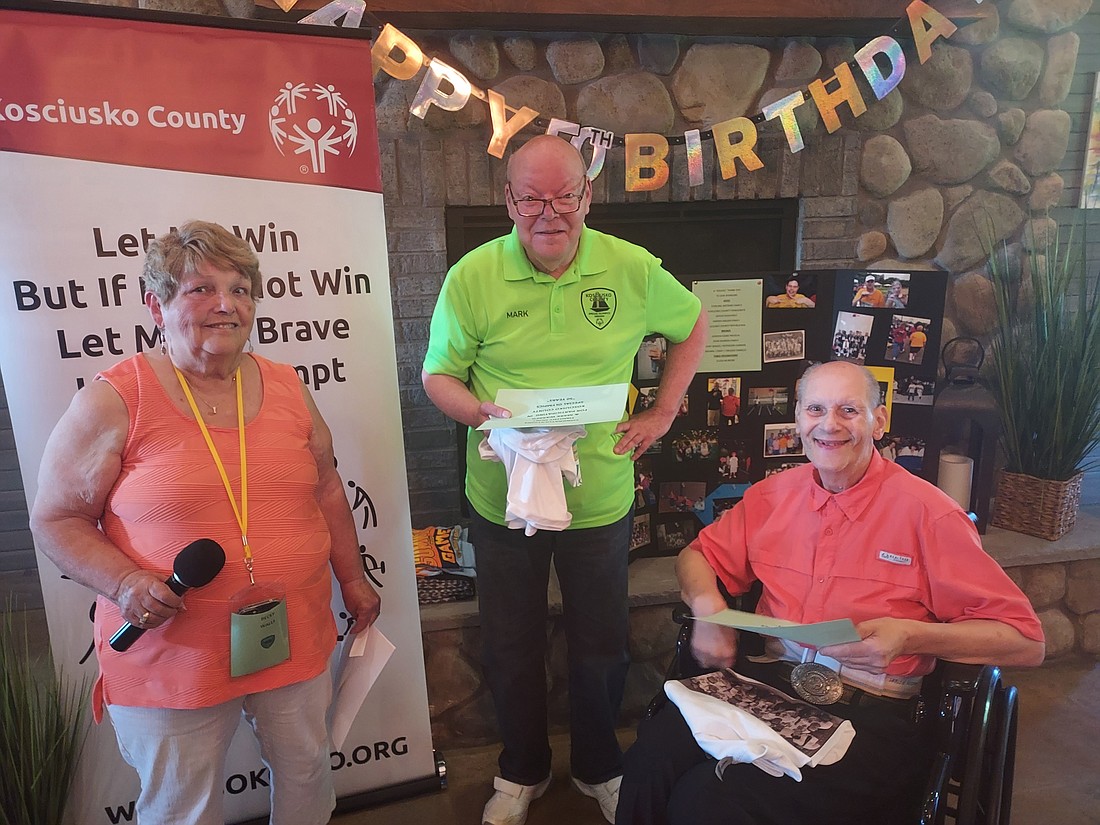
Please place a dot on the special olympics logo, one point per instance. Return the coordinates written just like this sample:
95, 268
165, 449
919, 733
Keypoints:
315, 119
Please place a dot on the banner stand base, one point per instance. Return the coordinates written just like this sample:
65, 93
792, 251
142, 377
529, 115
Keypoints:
380, 796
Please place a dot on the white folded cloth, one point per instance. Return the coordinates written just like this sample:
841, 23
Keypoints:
731, 733
536, 459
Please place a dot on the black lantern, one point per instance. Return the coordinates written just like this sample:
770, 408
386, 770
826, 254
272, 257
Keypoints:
967, 422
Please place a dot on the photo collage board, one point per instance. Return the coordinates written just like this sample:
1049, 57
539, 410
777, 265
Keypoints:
736, 422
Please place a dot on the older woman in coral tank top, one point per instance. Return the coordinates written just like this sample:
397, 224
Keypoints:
204, 440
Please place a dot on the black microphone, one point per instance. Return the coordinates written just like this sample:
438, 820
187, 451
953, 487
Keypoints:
195, 565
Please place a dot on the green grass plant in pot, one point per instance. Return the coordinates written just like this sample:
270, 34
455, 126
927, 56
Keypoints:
41, 733
1046, 358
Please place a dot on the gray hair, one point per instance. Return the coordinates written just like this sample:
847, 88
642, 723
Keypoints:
179, 253
874, 394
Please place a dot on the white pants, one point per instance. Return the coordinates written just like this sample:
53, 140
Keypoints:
180, 755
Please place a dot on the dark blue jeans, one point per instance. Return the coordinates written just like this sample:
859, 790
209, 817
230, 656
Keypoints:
513, 572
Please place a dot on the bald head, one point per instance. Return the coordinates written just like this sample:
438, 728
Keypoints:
547, 149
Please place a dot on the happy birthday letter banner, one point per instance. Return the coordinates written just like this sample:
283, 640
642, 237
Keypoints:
881, 62
111, 133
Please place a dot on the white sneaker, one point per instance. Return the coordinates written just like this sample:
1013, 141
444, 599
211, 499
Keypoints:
508, 806
606, 793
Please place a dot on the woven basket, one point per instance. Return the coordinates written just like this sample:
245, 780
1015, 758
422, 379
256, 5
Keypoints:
1037, 506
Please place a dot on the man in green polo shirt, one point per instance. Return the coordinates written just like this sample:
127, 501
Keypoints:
555, 304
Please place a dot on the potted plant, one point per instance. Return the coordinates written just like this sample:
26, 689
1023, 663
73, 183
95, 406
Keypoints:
1046, 362
41, 733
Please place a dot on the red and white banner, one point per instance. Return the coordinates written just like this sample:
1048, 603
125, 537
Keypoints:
113, 130
232, 102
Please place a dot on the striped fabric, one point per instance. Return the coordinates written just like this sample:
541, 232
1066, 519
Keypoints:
168, 494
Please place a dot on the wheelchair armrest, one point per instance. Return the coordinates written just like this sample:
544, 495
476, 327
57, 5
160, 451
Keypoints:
960, 677
683, 664
681, 614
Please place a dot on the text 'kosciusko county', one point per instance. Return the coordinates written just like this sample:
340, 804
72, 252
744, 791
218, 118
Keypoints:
102, 113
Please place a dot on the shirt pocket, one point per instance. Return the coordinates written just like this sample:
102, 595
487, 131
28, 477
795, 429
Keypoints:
880, 587
787, 574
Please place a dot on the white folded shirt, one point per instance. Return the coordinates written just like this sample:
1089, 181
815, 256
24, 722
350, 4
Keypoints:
536, 461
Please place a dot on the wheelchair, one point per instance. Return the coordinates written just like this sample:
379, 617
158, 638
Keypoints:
974, 715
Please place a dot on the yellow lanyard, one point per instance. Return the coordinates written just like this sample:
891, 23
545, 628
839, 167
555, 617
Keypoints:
240, 512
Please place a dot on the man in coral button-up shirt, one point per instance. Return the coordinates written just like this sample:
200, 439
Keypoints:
849, 535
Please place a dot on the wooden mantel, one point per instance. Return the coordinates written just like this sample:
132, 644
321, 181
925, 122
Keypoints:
764, 18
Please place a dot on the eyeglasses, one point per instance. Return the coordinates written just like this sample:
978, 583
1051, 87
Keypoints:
529, 207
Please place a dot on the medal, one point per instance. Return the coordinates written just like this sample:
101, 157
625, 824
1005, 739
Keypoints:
816, 683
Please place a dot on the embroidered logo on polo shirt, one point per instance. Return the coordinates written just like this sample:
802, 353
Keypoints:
518, 313
894, 558
598, 305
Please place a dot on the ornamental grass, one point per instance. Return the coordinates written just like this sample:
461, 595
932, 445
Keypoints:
1046, 357
41, 733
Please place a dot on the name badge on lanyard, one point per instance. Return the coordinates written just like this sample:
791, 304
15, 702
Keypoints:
259, 635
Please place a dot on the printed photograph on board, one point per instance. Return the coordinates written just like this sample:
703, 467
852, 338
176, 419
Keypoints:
913, 390
682, 497
647, 397
768, 401
639, 536
734, 461
886, 390
645, 494
722, 506
789, 345
906, 450
850, 336
907, 339
723, 401
674, 536
696, 446
799, 291
651, 357
868, 292
897, 289
781, 440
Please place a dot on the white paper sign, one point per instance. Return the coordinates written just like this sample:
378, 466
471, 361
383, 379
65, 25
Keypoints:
563, 407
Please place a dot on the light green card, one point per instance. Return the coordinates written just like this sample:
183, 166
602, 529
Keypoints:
258, 640
564, 407
817, 634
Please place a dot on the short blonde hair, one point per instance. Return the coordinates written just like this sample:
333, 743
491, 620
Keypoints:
179, 253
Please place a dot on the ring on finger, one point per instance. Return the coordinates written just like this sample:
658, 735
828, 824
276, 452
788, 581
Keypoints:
144, 617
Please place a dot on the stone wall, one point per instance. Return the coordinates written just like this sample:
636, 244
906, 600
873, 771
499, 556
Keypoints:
1067, 598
